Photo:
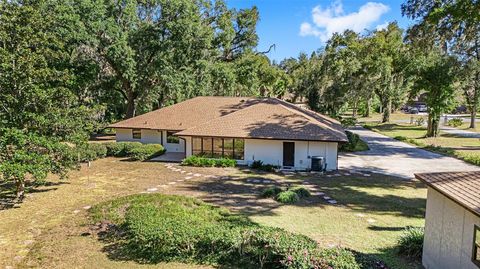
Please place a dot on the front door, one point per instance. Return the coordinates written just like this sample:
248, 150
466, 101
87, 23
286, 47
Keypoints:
288, 153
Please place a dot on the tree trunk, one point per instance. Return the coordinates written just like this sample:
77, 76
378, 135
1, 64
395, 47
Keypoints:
20, 189
433, 125
368, 108
354, 112
473, 113
130, 105
387, 110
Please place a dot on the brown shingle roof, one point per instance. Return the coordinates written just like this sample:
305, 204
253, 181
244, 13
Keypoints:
240, 117
272, 119
461, 187
186, 114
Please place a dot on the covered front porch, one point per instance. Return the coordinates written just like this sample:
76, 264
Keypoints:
174, 157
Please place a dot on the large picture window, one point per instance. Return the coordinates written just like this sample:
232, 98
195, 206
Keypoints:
137, 134
476, 246
218, 147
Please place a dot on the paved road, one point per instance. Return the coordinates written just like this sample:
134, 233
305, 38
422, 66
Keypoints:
460, 133
389, 156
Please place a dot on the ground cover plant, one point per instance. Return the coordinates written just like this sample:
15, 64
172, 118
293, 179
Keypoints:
176, 228
208, 162
259, 165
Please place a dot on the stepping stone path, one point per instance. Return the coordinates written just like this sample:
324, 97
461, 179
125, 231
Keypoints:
76, 211
87, 207
360, 215
371, 221
187, 178
332, 201
197, 175
152, 189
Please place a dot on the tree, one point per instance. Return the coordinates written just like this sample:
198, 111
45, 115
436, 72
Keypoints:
39, 111
454, 26
30, 156
435, 76
388, 62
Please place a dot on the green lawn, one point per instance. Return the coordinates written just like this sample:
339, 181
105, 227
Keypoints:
371, 216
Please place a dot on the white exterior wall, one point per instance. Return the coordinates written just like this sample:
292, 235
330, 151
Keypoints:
271, 152
449, 230
180, 147
148, 136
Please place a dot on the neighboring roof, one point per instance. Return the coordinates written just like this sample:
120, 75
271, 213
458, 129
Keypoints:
186, 114
272, 118
461, 187
240, 117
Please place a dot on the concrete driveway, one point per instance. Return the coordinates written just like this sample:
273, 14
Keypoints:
389, 156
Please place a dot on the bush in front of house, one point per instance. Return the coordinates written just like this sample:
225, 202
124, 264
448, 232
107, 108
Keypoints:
144, 152
259, 165
287, 197
208, 162
157, 227
410, 242
354, 143
302, 192
455, 122
91, 151
271, 192
348, 122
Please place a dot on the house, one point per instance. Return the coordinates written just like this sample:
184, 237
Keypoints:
245, 129
452, 222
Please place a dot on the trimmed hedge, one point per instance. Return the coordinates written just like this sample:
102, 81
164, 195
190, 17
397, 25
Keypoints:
455, 122
208, 162
135, 150
157, 227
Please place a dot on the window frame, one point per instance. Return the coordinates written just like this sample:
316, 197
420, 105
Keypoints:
172, 134
138, 132
208, 149
476, 246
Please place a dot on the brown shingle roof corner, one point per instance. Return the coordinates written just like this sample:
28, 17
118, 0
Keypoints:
461, 187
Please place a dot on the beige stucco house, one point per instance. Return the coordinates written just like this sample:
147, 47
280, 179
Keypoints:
452, 221
245, 129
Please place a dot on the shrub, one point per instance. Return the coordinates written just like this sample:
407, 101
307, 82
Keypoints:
302, 192
117, 149
271, 192
145, 152
455, 122
410, 242
91, 151
354, 143
287, 197
400, 138
208, 162
158, 227
259, 165
348, 122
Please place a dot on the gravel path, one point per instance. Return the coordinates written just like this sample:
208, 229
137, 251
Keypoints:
389, 156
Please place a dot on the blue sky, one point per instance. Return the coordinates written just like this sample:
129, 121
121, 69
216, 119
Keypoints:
296, 26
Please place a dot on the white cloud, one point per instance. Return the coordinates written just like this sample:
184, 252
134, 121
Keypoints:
382, 26
327, 21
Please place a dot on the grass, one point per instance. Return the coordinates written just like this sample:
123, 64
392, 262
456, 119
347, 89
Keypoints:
466, 126
46, 230
467, 149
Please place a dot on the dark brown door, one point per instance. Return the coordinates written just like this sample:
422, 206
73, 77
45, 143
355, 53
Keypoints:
288, 153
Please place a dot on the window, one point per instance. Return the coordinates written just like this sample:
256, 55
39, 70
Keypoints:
137, 134
172, 139
196, 146
476, 246
239, 149
218, 147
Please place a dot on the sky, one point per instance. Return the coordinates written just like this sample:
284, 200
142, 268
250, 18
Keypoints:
296, 26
